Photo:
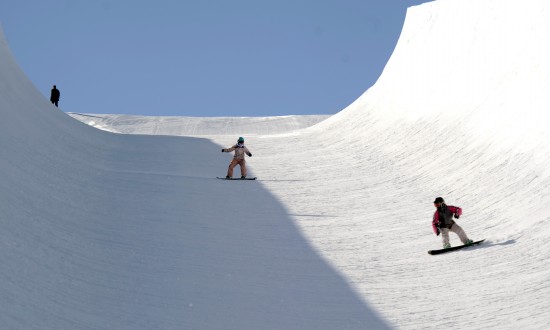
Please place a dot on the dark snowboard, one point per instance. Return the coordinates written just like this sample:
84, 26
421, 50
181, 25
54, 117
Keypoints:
238, 179
454, 248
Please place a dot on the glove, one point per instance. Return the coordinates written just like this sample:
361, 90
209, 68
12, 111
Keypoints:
249, 155
438, 232
223, 150
457, 216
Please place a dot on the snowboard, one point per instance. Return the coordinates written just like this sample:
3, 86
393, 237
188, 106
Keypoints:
237, 179
454, 248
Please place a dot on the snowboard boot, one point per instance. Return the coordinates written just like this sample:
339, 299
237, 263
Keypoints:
227, 177
243, 177
468, 242
446, 246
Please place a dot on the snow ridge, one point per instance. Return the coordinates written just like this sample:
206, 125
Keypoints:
197, 126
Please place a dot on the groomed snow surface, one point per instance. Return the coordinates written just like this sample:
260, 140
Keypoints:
104, 230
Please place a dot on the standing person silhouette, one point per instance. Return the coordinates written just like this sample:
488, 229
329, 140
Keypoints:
54, 97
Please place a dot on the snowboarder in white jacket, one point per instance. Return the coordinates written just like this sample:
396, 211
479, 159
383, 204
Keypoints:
238, 159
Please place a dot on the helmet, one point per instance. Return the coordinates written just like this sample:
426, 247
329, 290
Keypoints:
439, 200
240, 140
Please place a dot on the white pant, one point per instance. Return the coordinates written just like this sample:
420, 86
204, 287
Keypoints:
455, 229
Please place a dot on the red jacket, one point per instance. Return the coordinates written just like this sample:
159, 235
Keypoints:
450, 211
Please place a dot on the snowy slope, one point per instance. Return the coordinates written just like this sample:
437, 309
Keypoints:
126, 231
193, 126
110, 231
460, 111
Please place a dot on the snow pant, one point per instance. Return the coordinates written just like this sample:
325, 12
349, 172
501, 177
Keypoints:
234, 163
455, 229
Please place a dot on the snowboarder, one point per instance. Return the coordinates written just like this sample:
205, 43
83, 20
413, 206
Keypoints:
443, 222
238, 159
55, 95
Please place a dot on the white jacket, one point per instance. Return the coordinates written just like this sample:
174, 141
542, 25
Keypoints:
240, 151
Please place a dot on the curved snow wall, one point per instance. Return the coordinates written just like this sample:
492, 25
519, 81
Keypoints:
462, 108
110, 231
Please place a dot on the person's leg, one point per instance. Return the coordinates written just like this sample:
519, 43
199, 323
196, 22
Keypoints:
243, 167
232, 165
445, 237
460, 232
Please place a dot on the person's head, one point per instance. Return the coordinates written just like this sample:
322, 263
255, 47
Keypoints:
54, 87
240, 140
439, 201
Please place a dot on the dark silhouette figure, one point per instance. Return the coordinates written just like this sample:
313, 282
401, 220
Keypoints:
55, 95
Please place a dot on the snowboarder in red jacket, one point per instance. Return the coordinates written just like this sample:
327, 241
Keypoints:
443, 222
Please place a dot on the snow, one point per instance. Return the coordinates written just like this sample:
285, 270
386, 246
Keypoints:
104, 230
198, 126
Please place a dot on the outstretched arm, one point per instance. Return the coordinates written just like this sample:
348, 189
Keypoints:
456, 210
228, 149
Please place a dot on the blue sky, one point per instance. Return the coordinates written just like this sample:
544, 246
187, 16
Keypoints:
204, 57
